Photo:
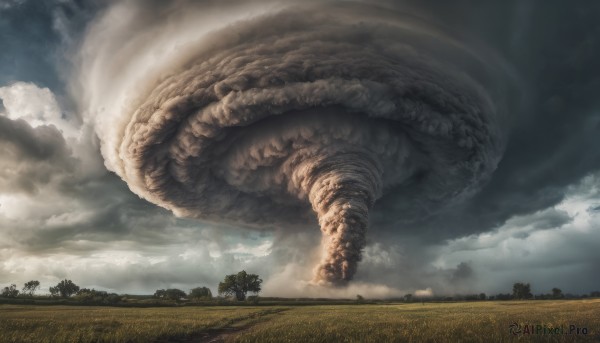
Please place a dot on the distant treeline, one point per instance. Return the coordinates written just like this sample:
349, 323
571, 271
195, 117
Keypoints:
233, 291
234, 286
499, 296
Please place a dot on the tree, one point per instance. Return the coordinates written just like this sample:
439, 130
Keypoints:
30, 287
557, 293
171, 294
201, 293
501, 296
92, 295
522, 291
408, 298
175, 294
10, 291
65, 288
482, 296
161, 293
54, 291
240, 284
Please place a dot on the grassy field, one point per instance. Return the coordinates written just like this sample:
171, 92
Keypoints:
415, 322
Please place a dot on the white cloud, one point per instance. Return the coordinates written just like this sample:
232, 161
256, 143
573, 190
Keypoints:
564, 255
259, 250
37, 106
424, 293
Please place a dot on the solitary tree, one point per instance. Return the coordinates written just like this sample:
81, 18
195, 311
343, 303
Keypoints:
65, 289
408, 298
557, 293
30, 287
200, 293
522, 291
482, 296
240, 284
10, 291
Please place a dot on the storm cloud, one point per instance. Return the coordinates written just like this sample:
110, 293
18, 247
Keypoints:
269, 117
450, 146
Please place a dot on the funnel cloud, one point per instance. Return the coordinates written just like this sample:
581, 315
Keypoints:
302, 117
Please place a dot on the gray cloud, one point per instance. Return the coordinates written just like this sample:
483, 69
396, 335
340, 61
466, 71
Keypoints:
463, 271
551, 142
31, 157
594, 209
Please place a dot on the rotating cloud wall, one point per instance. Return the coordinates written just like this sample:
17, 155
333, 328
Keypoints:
309, 112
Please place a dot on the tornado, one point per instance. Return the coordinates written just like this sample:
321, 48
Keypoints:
310, 114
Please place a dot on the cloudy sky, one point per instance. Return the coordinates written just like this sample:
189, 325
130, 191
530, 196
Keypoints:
92, 92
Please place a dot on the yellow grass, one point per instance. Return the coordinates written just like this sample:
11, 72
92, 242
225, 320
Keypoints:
416, 322
110, 324
429, 322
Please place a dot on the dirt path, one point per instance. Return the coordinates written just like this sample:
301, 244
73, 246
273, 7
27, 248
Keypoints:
219, 336
232, 327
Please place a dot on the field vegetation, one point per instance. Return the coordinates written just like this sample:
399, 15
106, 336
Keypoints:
478, 321
483, 321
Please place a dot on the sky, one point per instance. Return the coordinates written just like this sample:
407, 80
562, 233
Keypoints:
334, 148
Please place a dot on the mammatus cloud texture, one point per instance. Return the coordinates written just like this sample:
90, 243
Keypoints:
311, 111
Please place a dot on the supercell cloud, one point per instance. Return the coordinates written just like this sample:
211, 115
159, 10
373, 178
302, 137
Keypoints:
297, 118
402, 144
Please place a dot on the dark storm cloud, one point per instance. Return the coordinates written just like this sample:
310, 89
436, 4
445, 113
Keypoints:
107, 213
547, 219
31, 157
463, 271
594, 209
41, 143
554, 48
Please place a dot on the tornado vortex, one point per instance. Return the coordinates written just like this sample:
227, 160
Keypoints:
307, 112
